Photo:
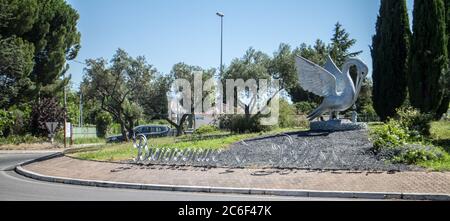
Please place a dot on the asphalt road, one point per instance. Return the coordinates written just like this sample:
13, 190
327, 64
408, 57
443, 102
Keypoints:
16, 187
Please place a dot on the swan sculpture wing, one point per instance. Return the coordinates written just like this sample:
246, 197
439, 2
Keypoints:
331, 67
314, 78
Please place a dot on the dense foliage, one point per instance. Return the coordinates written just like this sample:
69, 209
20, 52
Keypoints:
289, 117
417, 123
103, 121
37, 37
390, 49
405, 139
120, 87
240, 123
443, 108
16, 64
206, 129
46, 110
429, 60
389, 135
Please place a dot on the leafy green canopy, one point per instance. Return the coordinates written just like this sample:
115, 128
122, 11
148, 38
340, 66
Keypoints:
16, 62
43, 35
122, 88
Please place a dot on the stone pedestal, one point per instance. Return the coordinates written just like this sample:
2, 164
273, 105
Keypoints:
336, 125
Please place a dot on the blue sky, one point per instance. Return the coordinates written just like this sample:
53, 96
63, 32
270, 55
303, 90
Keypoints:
171, 31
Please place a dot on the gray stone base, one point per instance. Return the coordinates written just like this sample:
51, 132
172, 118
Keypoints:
336, 125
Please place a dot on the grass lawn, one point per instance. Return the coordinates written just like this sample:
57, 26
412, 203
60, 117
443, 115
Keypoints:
440, 135
125, 151
90, 140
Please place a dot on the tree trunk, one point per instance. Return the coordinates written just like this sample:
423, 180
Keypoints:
130, 125
123, 130
179, 126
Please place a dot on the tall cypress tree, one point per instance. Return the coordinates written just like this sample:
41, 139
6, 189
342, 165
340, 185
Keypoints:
443, 108
428, 56
390, 48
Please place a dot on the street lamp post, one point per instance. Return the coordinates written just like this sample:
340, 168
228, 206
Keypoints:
221, 15
65, 113
81, 108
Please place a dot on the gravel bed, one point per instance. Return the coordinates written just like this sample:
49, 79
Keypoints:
345, 150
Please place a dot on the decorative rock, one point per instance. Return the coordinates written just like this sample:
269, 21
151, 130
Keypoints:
336, 125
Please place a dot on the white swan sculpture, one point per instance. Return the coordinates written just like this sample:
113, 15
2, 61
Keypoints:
337, 88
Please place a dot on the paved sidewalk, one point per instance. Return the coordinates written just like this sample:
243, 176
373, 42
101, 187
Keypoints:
401, 182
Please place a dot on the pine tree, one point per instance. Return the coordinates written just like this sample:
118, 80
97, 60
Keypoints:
390, 48
50, 27
428, 56
341, 44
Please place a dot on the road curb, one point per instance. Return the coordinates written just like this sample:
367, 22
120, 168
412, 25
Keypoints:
226, 190
43, 158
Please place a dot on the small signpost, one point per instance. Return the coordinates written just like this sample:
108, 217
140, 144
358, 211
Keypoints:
51, 127
68, 132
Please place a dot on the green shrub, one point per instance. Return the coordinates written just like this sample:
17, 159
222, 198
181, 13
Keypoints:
416, 123
368, 110
300, 121
286, 115
304, 107
114, 129
396, 140
389, 135
206, 129
21, 122
242, 123
15, 120
103, 121
6, 121
28, 139
415, 155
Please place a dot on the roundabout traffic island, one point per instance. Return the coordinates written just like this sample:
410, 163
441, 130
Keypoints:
409, 185
307, 163
308, 150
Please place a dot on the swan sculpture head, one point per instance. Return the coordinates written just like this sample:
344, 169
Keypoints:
362, 71
336, 86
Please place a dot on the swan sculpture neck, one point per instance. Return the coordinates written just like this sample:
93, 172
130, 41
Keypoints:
350, 86
362, 71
